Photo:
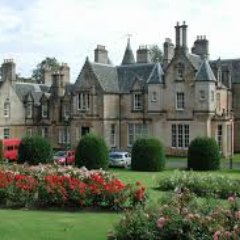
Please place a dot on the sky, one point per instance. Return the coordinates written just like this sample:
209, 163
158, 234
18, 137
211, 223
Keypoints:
31, 30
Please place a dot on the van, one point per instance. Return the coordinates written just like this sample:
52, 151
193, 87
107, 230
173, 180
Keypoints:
10, 148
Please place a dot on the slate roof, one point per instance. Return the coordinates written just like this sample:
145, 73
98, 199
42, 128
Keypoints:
106, 75
128, 57
205, 72
146, 72
22, 89
195, 60
232, 65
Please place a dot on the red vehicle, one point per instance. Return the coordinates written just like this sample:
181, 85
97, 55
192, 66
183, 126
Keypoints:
10, 149
64, 157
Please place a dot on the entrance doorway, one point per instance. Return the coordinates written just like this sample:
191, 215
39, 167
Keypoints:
85, 130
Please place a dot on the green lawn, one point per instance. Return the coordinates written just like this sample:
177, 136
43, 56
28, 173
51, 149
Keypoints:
51, 225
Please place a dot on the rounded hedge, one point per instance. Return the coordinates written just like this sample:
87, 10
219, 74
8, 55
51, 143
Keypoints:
92, 152
203, 154
34, 150
148, 155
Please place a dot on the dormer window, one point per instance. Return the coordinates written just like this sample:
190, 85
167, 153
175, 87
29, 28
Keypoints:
6, 109
66, 111
137, 101
44, 110
180, 71
84, 101
29, 110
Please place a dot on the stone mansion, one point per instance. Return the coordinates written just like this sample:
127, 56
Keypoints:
185, 96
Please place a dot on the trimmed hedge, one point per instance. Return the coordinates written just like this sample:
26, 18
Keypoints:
148, 155
34, 150
92, 152
203, 154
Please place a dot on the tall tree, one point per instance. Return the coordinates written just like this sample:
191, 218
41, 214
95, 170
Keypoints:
156, 53
48, 62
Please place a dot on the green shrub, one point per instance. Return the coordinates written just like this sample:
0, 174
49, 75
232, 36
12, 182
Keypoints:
148, 155
203, 154
92, 152
182, 217
202, 184
34, 150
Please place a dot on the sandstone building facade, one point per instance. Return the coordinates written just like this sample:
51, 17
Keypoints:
185, 96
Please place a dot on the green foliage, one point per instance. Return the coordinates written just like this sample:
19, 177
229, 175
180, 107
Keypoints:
156, 53
148, 155
181, 217
48, 62
202, 184
203, 154
34, 150
92, 152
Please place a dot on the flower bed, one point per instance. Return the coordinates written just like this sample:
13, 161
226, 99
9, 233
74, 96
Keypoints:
54, 186
202, 184
181, 217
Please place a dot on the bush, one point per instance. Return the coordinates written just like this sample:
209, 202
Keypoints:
202, 184
92, 152
34, 150
182, 217
203, 154
148, 155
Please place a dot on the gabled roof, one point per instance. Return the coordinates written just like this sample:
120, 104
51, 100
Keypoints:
195, 60
128, 57
106, 75
144, 71
232, 65
36, 90
205, 72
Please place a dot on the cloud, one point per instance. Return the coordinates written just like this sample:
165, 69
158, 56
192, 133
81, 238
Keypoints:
71, 29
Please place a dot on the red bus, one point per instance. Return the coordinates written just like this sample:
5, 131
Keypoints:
10, 148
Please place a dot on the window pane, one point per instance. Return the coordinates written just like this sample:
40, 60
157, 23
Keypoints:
174, 135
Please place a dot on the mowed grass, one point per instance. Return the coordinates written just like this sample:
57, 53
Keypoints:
89, 225
50, 225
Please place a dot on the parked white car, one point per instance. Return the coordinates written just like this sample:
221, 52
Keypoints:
119, 159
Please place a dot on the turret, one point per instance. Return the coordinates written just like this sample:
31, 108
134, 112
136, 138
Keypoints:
128, 57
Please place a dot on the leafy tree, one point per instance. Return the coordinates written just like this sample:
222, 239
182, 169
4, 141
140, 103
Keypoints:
156, 53
49, 62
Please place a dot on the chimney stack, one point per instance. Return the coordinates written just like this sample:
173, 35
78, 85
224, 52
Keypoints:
101, 55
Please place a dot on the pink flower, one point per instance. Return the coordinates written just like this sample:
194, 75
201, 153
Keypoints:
237, 214
161, 222
216, 235
231, 199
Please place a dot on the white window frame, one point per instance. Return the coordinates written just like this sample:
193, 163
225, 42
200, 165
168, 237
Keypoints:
84, 101
180, 101
64, 136
136, 131
180, 136
138, 101
6, 133
44, 132
44, 110
29, 132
